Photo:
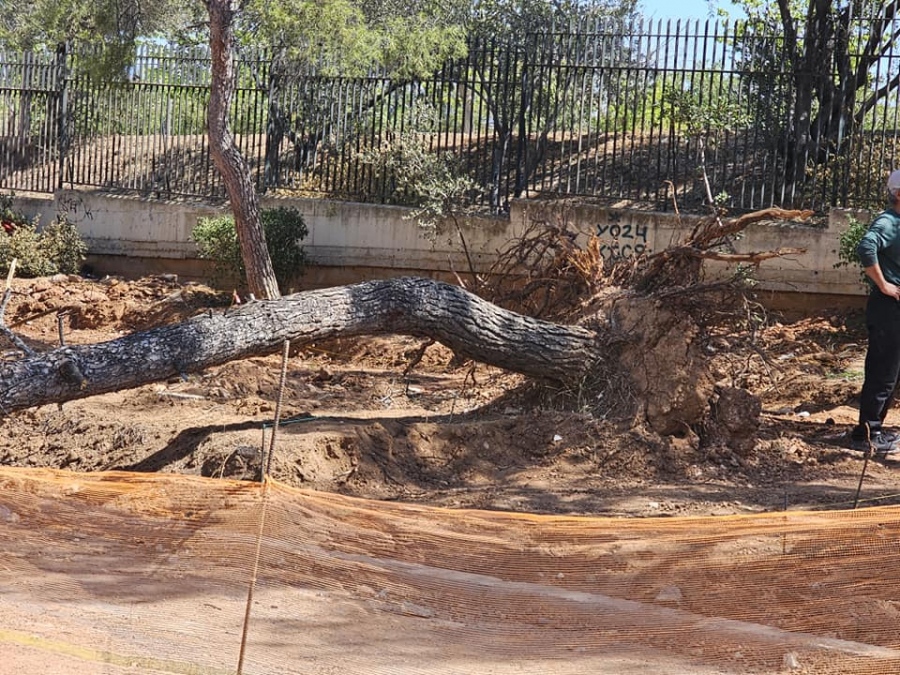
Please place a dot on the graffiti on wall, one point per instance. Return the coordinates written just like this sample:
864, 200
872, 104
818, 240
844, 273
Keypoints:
622, 241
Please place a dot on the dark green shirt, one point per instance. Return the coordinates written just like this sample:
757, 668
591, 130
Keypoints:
881, 244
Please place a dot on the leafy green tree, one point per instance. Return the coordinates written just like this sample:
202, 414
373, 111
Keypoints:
527, 100
111, 29
384, 45
831, 54
393, 47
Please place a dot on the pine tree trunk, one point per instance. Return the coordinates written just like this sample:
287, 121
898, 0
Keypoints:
227, 156
471, 326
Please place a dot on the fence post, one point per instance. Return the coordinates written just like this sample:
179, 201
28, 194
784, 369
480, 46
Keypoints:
62, 94
524, 110
271, 173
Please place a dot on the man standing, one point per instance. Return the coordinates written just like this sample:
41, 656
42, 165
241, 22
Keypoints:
879, 253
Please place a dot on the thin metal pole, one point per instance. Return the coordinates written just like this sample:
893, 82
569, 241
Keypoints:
249, 605
262, 517
281, 382
60, 316
862, 475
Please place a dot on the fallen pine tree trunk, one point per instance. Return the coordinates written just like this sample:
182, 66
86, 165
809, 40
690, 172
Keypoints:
467, 324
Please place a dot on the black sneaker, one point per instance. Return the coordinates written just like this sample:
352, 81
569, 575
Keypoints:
882, 442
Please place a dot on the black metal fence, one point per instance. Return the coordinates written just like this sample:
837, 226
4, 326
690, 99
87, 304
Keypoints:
649, 114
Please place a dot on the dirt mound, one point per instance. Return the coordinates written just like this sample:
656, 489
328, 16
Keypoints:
108, 305
460, 434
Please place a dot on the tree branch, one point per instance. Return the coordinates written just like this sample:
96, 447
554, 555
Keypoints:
754, 258
4, 329
467, 324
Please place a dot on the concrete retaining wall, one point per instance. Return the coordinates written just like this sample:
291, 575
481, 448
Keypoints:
349, 242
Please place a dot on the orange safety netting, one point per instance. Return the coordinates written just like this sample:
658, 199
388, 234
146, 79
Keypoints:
149, 573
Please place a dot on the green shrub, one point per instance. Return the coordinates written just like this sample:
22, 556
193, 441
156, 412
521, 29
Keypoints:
434, 184
24, 245
217, 241
848, 242
62, 244
284, 227
56, 248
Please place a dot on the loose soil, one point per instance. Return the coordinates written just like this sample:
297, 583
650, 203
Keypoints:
446, 434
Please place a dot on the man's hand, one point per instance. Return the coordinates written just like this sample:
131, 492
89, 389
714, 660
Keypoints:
882, 284
890, 290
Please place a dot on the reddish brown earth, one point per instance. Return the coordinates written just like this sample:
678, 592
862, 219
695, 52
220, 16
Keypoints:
457, 435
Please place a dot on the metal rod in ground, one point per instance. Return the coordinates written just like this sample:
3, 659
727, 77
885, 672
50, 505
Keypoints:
60, 316
281, 383
264, 469
862, 474
253, 577
262, 455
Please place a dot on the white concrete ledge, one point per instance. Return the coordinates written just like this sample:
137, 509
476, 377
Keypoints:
368, 236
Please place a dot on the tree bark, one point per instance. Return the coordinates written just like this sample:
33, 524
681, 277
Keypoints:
472, 327
227, 156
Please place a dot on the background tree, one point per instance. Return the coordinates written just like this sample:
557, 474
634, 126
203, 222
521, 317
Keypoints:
109, 32
385, 47
526, 99
227, 156
110, 29
832, 56
391, 49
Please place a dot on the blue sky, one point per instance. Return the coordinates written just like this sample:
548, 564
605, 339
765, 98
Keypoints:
684, 9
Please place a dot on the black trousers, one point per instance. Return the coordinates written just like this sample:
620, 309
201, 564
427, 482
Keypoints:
882, 362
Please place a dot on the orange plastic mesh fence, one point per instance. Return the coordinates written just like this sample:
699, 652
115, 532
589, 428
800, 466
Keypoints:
134, 573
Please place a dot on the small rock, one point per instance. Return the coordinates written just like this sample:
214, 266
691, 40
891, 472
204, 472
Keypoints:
669, 594
8, 515
411, 609
246, 451
790, 661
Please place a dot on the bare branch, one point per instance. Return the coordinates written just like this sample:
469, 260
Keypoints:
7, 294
754, 258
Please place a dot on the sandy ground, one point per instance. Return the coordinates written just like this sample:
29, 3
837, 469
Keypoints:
124, 572
446, 436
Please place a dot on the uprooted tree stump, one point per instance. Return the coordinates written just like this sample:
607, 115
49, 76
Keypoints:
639, 347
636, 352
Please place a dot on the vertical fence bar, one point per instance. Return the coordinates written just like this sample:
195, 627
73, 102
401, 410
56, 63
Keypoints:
62, 93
